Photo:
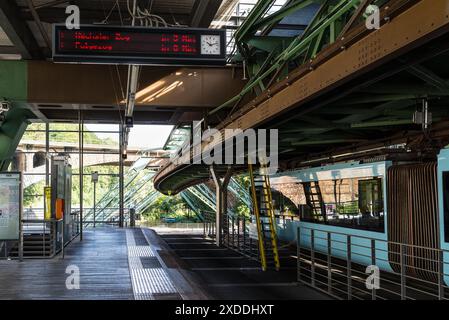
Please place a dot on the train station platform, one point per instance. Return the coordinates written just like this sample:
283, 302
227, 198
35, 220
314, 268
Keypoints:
224, 274
138, 264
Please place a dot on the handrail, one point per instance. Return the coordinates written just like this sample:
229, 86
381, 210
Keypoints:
40, 220
418, 271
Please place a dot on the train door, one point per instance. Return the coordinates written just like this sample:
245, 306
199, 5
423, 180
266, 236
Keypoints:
413, 219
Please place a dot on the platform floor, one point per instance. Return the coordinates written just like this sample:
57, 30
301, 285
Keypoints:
102, 261
128, 264
224, 274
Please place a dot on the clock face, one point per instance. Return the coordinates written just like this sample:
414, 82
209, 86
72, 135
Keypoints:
210, 44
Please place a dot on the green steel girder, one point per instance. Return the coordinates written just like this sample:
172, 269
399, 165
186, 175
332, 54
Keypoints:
383, 123
323, 30
254, 16
13, 88
11, 131
429, 77
395, 104
322, 141
269, 44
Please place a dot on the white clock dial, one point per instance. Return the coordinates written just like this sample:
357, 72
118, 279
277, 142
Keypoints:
210, 44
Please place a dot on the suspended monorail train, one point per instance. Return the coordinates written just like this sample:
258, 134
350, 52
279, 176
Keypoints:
379, 204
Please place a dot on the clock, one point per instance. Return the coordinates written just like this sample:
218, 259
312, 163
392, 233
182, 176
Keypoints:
211, 45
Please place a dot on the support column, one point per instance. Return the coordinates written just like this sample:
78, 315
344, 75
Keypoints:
47, 154
121, 179
221, 187
81, 168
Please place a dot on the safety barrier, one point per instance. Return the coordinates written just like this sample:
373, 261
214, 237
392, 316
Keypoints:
236, 234
349, 266
108, 216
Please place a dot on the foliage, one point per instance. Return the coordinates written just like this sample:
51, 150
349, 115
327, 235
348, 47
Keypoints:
33, 195
240, 207
170, 207
67, 133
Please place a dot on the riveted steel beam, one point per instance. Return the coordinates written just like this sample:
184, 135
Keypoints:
353, 59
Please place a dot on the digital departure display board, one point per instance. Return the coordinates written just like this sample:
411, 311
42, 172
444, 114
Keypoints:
139, 45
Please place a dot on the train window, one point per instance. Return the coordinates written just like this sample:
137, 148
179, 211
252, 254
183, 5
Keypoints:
370, 196
350, 203
446, 205
281, 203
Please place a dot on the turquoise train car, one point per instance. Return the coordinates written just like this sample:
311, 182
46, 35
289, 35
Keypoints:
360, 238
382, 206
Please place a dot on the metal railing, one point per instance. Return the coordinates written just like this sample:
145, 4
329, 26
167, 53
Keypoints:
108, 216
345, 266
41, 238
209, 224
194, 228
236, 233
283, 217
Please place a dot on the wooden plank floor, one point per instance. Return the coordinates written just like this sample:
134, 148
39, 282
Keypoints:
102, 260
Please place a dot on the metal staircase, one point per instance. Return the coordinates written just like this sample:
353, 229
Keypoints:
314, 199
265, 220
35, 246
139, 193
205, 195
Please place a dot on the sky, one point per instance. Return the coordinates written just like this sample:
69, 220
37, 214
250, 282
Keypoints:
141, 136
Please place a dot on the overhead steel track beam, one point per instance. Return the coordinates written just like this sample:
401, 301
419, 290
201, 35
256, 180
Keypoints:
354, 59
318, 75
301, 45
17, 30
429, 77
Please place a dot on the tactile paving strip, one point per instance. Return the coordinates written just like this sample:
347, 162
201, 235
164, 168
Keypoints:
148, 278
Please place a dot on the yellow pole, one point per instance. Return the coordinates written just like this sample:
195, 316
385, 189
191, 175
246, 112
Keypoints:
257, 214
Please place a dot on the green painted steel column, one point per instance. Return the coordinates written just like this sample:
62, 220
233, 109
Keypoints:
14, 81
14, 89
11, 131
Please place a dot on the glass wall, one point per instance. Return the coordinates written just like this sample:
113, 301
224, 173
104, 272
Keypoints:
99, 151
